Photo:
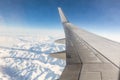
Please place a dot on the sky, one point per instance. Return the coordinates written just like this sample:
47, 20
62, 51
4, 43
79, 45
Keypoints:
98, 16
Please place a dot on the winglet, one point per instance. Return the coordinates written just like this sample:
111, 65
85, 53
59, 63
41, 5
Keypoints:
62, 16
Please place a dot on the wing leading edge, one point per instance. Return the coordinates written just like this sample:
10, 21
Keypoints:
89, 56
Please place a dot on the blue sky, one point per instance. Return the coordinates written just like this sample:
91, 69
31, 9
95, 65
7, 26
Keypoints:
93, 15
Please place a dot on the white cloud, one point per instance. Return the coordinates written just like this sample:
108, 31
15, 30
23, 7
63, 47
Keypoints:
114, 37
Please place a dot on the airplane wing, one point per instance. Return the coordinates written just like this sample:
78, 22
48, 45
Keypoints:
89, 56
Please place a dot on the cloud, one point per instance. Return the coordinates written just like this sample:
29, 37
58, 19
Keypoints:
32, 32
114, 37
109, 35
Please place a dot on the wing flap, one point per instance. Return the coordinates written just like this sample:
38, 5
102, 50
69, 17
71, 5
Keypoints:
71, 72
107, 71
59, 55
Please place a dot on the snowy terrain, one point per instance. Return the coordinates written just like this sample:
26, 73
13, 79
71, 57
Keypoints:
27, 58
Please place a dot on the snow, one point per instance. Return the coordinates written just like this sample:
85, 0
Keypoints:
27, 58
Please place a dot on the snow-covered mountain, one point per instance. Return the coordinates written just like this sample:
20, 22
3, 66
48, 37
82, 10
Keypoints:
28, 58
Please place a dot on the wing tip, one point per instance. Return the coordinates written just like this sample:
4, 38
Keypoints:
62, 16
